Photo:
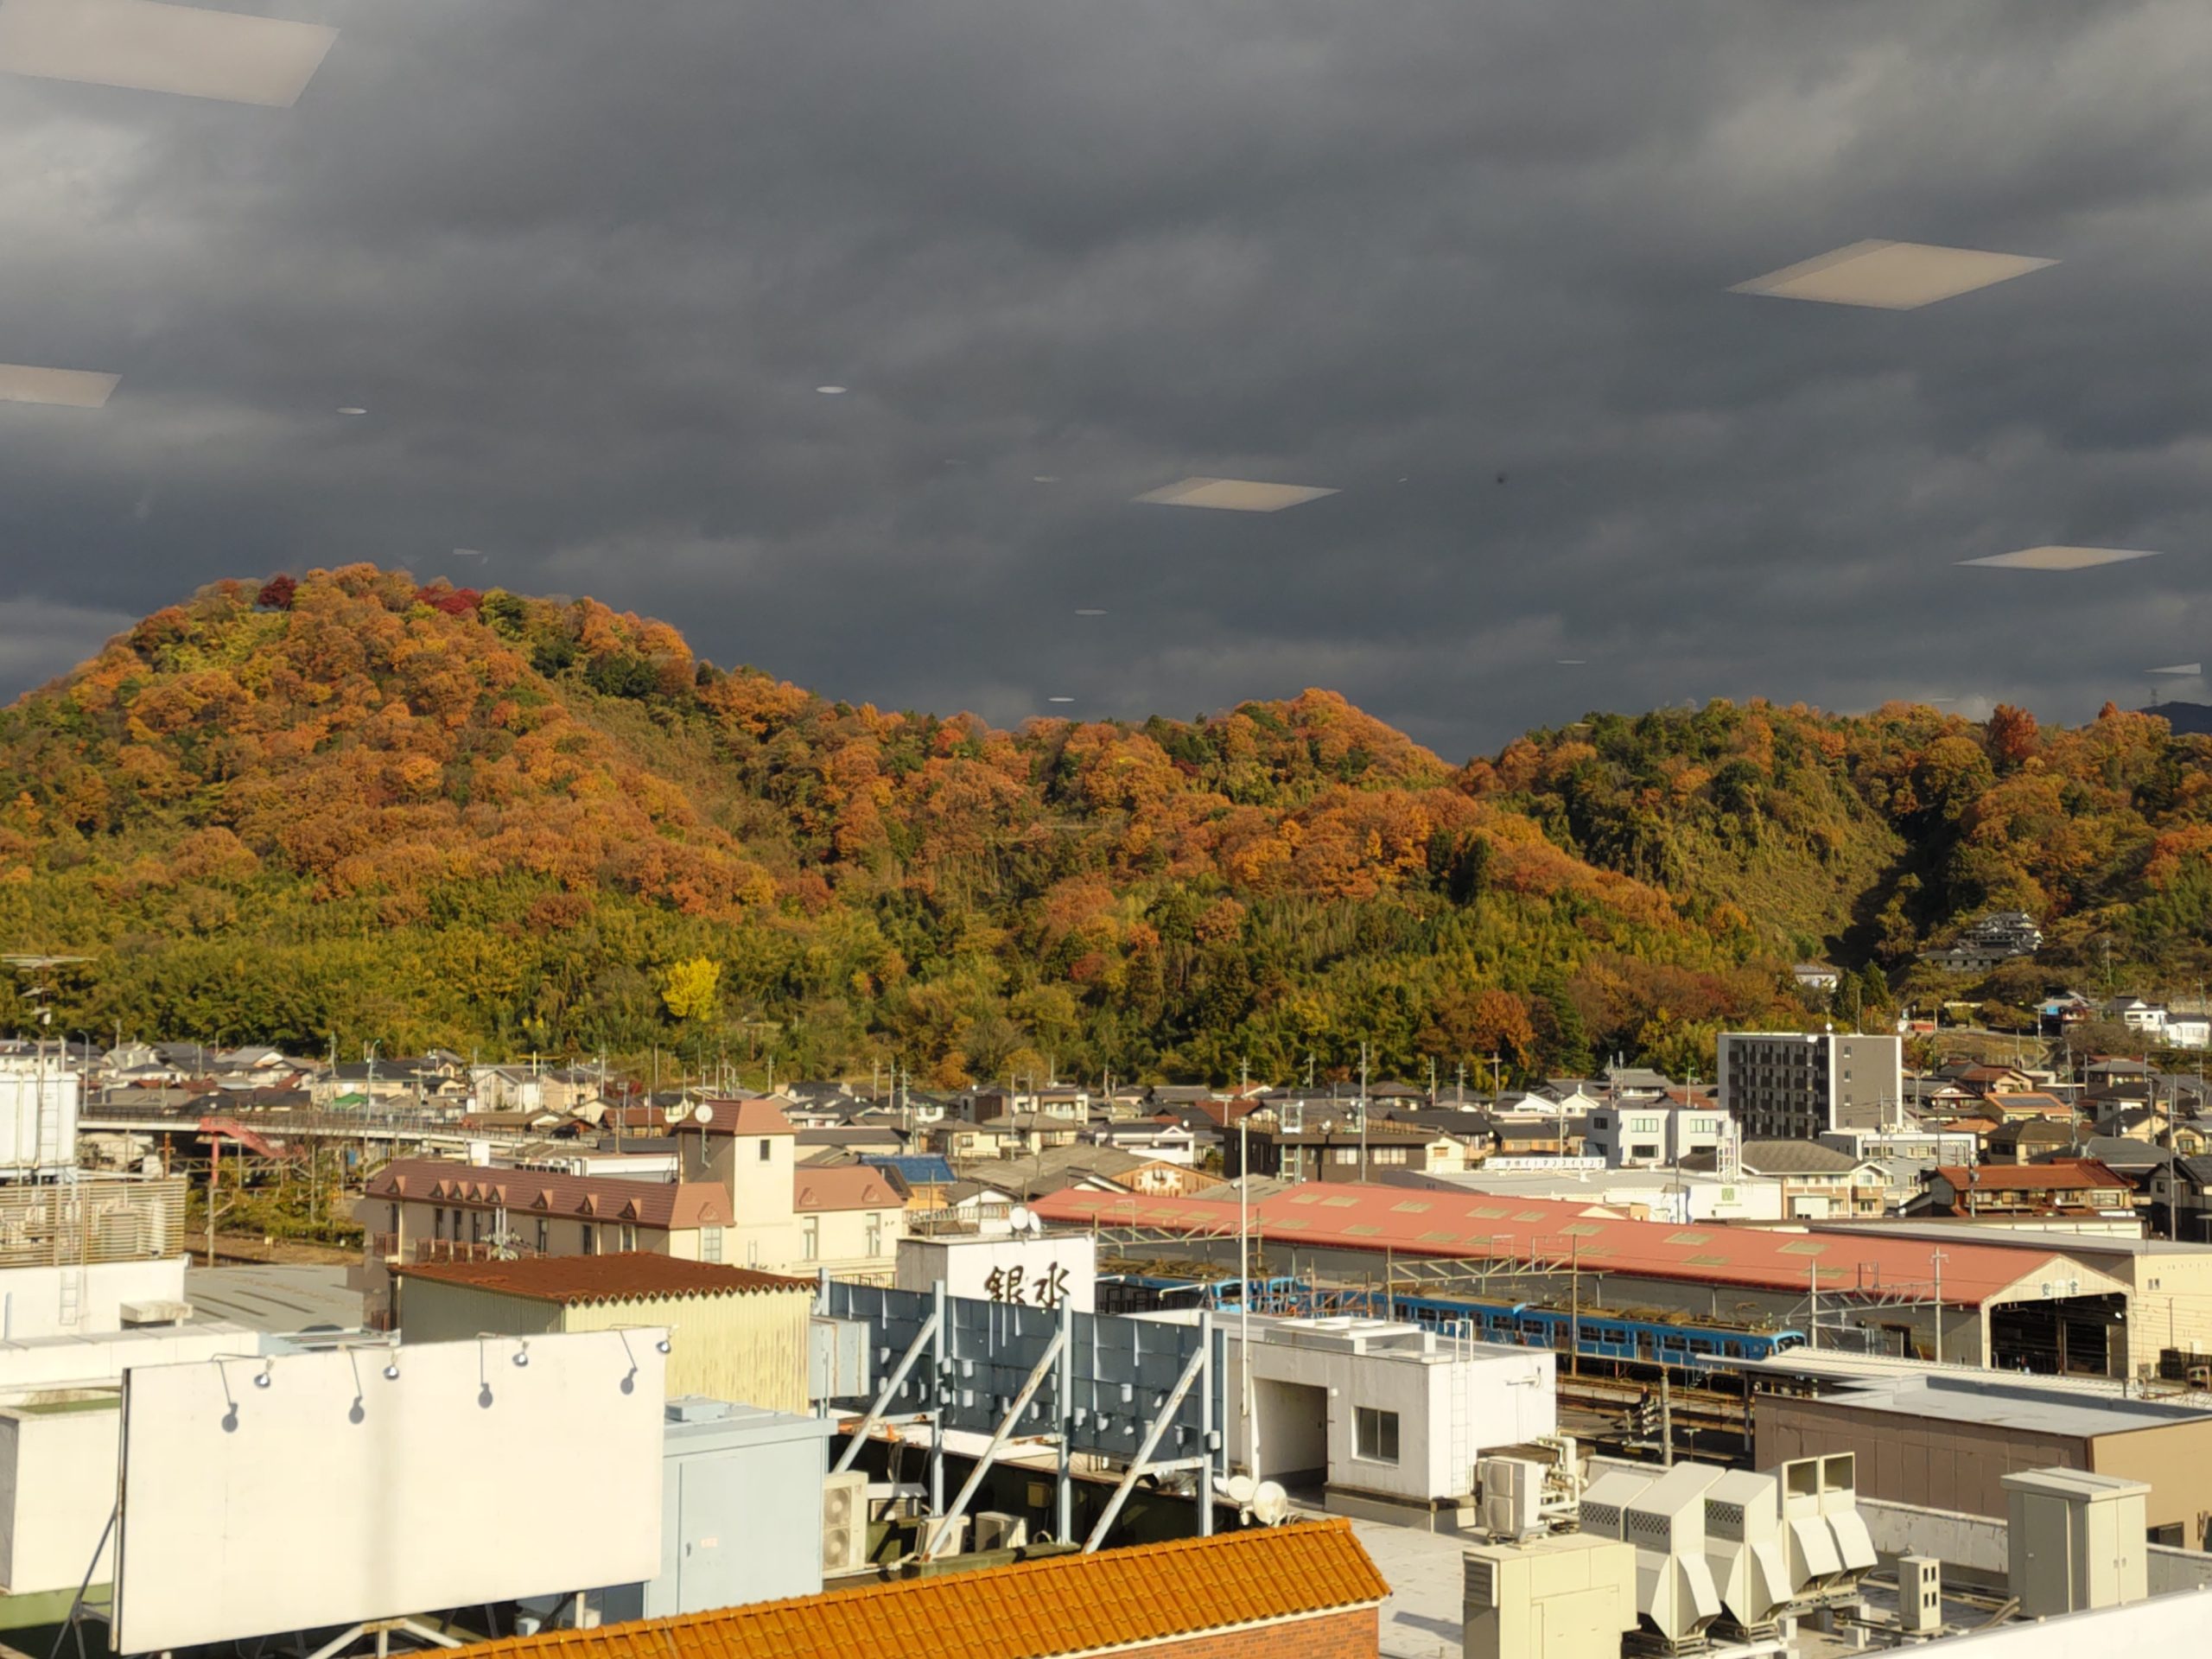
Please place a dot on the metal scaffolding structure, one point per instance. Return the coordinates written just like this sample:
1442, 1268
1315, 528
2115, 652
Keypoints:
1120, 1390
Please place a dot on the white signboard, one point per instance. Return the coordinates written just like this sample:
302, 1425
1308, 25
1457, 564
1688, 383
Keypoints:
1038, 1271
262, 1496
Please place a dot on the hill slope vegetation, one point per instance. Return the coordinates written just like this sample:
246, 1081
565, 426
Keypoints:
349, 808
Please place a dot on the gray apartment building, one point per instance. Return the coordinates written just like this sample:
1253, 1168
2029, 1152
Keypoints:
1795, 1085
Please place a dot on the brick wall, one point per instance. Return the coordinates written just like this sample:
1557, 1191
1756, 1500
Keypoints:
1355, 1635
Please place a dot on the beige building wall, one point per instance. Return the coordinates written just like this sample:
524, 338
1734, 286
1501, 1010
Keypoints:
1941, 1463
850, 1244
2170, 1305
1938, 1465
750, 1347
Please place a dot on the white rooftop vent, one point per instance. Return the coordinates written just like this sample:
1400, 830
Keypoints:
1675, 1592
135, 1315
1743, 1529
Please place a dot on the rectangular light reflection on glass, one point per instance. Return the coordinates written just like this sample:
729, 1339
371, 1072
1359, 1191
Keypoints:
147, 47
71, 388
1234, 494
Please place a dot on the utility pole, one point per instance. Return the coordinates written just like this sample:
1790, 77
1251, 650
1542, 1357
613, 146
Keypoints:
1244, 1292
1936, 1261
1459, 1087
1363, 1112
1573, 1307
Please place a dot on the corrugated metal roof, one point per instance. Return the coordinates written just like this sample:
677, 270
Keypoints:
625, 1276
1721, 1254
1145, 1595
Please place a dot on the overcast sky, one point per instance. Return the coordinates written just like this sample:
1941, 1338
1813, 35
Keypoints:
1465, 261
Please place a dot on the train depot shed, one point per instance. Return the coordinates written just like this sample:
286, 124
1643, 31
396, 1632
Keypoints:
1563, 1273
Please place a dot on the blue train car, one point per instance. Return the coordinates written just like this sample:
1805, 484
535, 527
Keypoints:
1594, 1334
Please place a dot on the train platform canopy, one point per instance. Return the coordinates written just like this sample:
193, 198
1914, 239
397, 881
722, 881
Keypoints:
1848, 1369
1411, 1222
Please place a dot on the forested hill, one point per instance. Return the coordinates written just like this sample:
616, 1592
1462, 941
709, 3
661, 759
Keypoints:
352, 806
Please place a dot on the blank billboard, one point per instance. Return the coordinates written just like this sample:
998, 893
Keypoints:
262, 1496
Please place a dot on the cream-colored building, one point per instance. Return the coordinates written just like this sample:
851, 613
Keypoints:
738, 1199
734, 1334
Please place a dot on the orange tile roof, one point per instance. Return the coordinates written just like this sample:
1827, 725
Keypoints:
623, 1276
1038, 1610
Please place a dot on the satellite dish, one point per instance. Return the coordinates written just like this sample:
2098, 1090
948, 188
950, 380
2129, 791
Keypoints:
1018, 1218
678, 1112
1270, 1505
1241, 1488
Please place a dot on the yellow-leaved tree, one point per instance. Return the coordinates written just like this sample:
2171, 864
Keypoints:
689, 989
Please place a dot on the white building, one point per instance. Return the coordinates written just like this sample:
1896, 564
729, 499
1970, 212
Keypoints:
1060, 1269
2149, 1018
2188, 1030
1644, 1135
1388, 1418
1679, 1196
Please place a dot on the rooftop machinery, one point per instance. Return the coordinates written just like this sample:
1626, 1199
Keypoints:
1721, 1557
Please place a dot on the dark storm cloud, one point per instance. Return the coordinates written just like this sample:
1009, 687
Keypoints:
584, 266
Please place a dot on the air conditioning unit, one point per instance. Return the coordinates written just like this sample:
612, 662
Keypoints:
844, 1523
1920, 1595
1512, 1496
954, 1542
1562, 1596
995, 1529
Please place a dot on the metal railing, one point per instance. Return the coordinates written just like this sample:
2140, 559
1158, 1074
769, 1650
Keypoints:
390, 1249
117, 1219
342, 1125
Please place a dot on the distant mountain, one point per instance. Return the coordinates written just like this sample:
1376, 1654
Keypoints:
352, 807
2188, 719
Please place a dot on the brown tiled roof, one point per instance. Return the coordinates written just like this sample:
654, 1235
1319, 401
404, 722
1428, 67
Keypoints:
626, 1276
753, 1116
2059, 1175
543, 1192
1146, 1594
849, 1187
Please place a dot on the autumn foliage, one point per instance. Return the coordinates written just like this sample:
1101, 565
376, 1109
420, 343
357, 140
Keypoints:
353, 804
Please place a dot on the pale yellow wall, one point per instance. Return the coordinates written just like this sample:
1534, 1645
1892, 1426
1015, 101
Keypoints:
2171, 1307
750, 1348
846, 1245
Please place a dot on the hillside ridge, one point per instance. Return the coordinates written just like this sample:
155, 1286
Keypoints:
349, 807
